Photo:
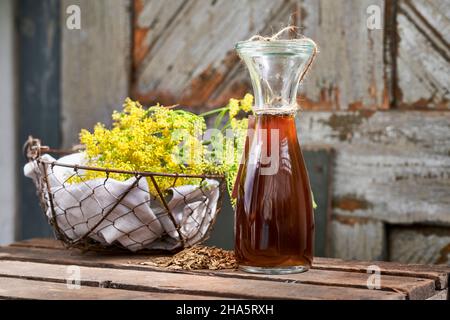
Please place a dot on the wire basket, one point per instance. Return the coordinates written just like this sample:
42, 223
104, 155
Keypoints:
104, 213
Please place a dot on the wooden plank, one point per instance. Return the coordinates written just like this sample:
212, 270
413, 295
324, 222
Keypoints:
45, 243
423, 61
358, 238
413, 288
95, 64
419, 244
390, 166
74, 256
191, 283
348, 72
185, 49
13, 288
39, 99
440, 274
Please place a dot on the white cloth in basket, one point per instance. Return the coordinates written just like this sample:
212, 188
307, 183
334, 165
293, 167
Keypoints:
139, 221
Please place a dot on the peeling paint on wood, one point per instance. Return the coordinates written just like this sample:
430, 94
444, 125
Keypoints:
348, 72
184, 51
393, 166
390, 167
345, 123
423, 54
140, 35
351, 220
351, 202
189, 48
359, 240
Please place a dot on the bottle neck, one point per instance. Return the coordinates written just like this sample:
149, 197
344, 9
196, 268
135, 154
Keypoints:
276, 69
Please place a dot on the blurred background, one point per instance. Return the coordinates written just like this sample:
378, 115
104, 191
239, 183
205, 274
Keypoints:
375, 126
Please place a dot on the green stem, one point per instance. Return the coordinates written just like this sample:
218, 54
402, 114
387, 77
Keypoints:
226, 126
219, 119
204, 114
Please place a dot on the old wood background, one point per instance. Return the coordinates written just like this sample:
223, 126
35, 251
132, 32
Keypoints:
379, 97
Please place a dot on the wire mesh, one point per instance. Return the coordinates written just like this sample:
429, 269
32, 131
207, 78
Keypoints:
136, 214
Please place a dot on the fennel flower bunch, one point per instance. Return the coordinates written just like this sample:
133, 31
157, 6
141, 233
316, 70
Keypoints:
146, 140
160, 139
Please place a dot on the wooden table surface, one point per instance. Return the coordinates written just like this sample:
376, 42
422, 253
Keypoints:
39, 269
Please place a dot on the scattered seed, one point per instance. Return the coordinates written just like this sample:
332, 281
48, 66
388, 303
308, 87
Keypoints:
198, 257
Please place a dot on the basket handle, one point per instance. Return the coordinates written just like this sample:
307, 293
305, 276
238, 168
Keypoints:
32, 149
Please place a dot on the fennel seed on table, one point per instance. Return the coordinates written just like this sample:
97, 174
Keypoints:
196, 258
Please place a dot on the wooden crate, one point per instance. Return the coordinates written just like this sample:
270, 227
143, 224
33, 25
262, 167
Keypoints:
38, 269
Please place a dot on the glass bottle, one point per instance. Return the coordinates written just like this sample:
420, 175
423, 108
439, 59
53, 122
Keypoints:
274, 223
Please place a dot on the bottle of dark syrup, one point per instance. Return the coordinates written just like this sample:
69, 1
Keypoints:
274, 222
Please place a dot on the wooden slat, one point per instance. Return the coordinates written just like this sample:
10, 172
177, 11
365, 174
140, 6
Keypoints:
440, 274
71, 256
184, 50
358, 238
423, 61
95, 64
390, 166
419, 244
348, 72
45, 243
13, 288
190, 283
413, 288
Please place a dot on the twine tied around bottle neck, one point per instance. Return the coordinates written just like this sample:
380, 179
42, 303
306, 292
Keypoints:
276, 37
